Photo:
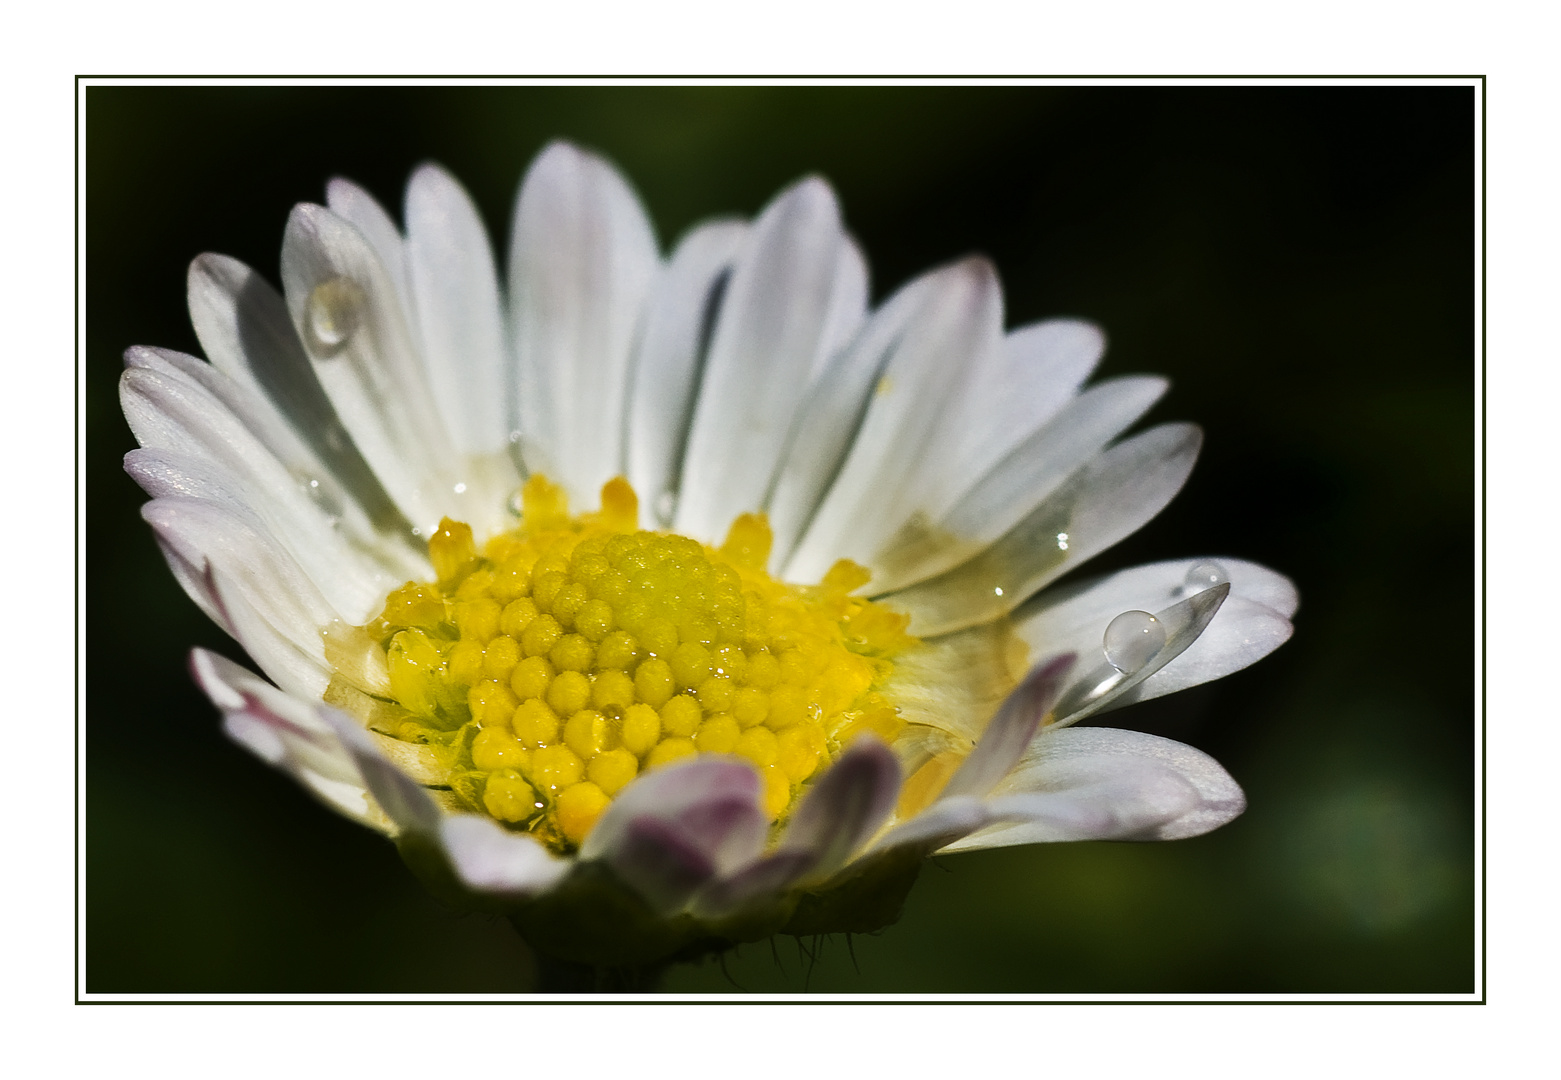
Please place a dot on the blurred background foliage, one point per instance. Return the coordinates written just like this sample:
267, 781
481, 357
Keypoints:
1298, 260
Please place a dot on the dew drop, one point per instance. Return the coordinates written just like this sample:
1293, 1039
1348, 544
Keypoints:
1132, 639
333, 314
1204, 575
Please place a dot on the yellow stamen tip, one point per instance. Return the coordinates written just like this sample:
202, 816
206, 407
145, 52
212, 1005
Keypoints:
543, 504
620, 506
748, 541
846, 576
452, 550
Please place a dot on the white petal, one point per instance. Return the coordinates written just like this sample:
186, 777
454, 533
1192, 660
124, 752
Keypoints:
490, 859
847, 309
196, 581
207, 535
939, 825
1106, 501
1252, 622
246, 332
183, 404
1241, 634
1016, 485
455, 293
582, 262
402, 799
1109, 784
780, 319
832, 414
353, 204
275, 651
1010, 731
892, 472
1040, 369
284, 732
195, 442
1058, 614
669, 359
356, 334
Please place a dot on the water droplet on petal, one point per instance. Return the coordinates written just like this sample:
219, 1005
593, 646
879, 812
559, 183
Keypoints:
333, 314
1132, 639
1204, 575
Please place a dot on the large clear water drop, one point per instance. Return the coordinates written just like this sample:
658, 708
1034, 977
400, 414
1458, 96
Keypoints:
333, 314
1203, 575
1132, 639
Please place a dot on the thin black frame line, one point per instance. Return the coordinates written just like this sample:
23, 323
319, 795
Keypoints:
79, 90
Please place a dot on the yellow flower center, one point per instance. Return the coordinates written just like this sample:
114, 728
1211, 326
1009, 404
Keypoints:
569, 655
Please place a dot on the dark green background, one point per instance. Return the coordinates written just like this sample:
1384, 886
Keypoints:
1298, 260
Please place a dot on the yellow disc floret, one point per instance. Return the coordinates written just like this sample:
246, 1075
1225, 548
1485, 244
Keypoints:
554, 664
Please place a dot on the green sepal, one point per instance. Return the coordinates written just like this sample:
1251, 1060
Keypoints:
866, 898
591, 917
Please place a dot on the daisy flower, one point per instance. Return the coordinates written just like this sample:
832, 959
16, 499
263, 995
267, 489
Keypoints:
663, 603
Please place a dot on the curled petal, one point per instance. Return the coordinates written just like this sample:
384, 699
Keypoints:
1010, 731
1103, 685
